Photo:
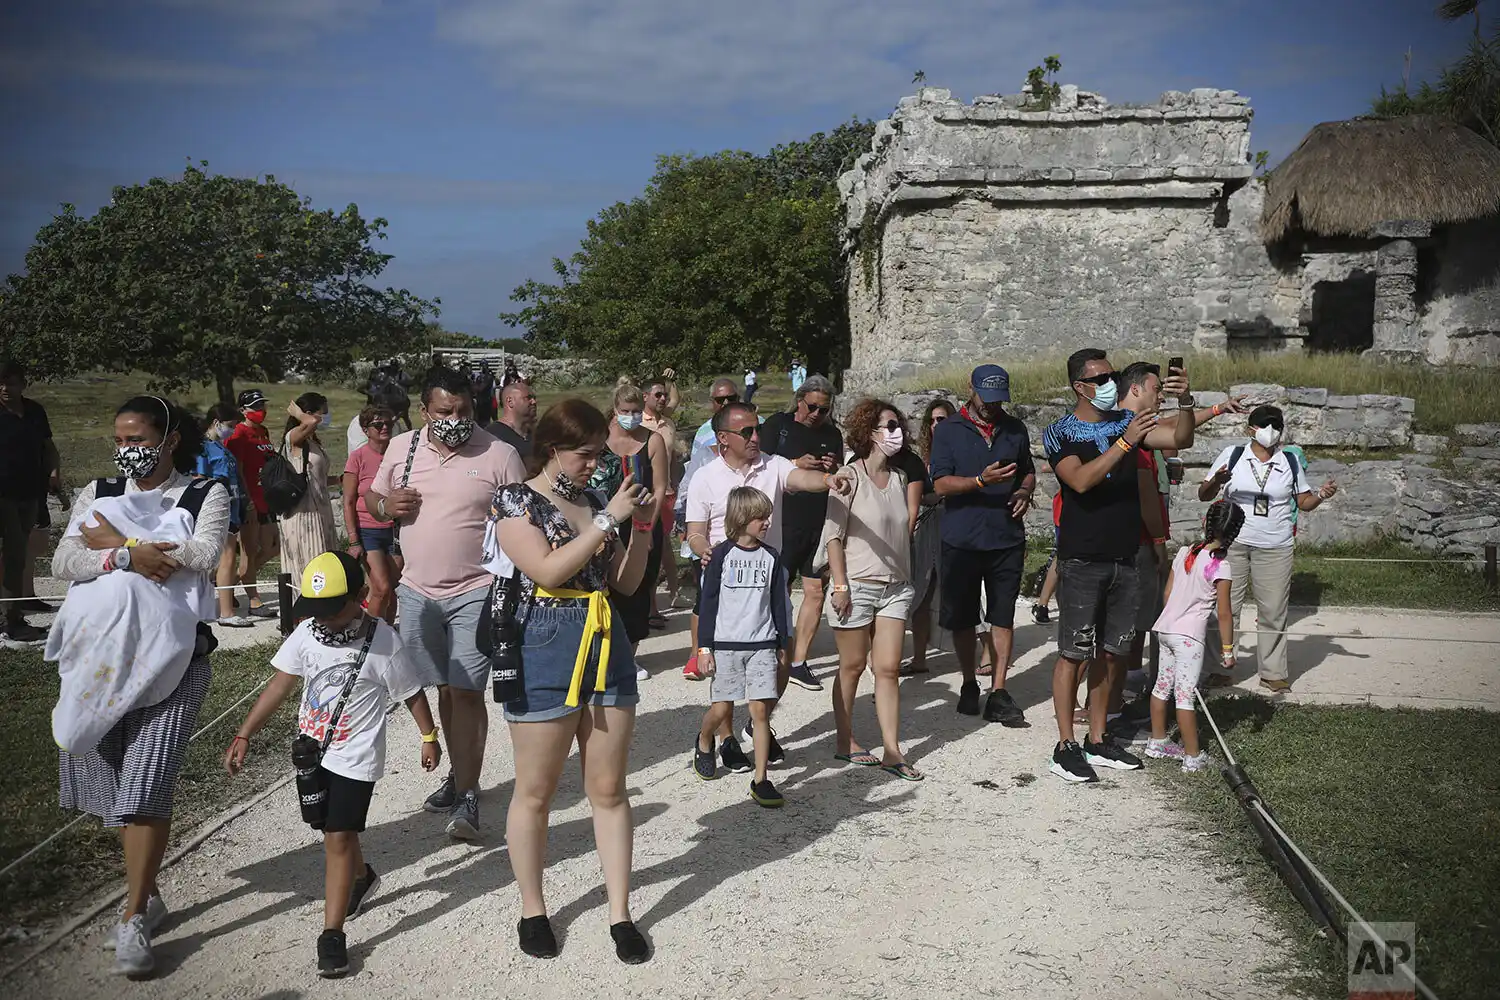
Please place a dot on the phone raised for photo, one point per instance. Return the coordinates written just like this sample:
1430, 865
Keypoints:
1174, 364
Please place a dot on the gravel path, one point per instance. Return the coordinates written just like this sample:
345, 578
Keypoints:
990, 878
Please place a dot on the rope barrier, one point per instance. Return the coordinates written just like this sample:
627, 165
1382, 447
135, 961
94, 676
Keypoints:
58, 597
1362, 635
1307, 863
82, 816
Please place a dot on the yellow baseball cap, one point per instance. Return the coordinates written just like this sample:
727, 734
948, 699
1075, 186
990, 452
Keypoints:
328, 583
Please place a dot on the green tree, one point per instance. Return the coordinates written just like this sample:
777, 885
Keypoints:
724, 260
206, 278
1468, 91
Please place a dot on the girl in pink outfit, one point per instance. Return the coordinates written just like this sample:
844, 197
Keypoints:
1199, 580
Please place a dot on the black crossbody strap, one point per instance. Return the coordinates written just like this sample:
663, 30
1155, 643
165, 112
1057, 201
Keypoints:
338, 709
411, 455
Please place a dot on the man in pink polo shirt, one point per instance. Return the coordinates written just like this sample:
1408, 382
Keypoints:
741, 463
436, 483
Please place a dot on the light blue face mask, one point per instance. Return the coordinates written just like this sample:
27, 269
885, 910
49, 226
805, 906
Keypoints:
1106, 396
628, 421
326, 420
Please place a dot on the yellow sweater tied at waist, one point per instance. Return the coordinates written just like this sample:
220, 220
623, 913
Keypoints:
598, 622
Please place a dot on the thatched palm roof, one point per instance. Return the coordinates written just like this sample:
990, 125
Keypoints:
1346, 177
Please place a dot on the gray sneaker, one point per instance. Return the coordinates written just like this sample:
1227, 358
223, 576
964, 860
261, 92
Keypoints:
442, 800
133, 956
236, 621
156, 915
463, 822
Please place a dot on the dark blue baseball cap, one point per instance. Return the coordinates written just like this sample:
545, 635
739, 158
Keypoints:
991, 384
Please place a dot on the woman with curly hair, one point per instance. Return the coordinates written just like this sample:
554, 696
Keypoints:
867, 537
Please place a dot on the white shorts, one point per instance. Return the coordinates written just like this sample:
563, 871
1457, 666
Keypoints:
869, 600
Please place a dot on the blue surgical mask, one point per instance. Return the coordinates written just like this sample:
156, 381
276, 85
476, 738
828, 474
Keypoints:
327, 419
1106, 396
628, 421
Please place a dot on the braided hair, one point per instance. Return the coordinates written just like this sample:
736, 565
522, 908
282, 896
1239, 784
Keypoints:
1221, 526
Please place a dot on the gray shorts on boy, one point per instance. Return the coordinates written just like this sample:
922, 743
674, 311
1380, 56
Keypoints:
743, 675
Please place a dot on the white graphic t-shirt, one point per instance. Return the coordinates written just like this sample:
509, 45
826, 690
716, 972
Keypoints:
357, 750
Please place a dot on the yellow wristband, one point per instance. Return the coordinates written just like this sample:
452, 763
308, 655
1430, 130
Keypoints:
979, 481
431, 737
131, 543
1124, 445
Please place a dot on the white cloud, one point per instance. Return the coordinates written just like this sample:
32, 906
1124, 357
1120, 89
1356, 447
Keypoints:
781, 53
283, 24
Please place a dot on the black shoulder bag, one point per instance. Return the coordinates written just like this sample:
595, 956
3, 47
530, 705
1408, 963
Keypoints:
307, 753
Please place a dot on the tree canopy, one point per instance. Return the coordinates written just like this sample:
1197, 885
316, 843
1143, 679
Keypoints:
206, 278
725, 260
1468, 91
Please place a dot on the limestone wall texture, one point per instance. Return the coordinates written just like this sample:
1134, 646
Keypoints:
989, 229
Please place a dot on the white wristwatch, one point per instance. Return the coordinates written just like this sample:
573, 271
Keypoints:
120, 558
605, 523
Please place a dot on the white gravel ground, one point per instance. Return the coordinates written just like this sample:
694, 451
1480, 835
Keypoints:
991, 878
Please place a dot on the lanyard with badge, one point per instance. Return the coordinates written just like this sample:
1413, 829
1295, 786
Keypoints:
1262, 500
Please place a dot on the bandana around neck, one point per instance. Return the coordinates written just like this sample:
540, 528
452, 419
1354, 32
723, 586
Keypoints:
342, 637
985, 428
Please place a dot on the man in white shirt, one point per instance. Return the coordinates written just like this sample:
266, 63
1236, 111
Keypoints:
740, 463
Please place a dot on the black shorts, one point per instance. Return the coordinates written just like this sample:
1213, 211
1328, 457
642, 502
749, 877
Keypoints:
43, 515
348, 803
963, 570
798, 549
1097, 603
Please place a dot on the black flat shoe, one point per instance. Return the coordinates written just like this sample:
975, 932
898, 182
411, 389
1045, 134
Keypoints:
536, 938
630, 945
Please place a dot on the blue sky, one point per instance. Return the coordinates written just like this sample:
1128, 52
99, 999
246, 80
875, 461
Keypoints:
489, 131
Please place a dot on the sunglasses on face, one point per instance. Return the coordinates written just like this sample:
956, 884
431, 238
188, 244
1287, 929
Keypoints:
733, 397
891, 425
1100, 379
938, 418
659, 395
747, 432
815, 410
379, 425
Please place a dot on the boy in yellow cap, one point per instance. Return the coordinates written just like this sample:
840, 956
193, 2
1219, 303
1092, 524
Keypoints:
352, 666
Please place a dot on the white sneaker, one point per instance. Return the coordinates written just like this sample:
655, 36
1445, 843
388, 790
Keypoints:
1164, 749
156, 915
133, 956
640, 673
236, 621
1202, 762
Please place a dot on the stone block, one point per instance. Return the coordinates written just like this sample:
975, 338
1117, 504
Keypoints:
1429, 444
1451, 526
1403, 229
1060, 174
1370, 400
1092, 175
1489, 454
1307, 396
934, 95
1477, 434
1257, 393
1342, 402
961, 174
1209, 397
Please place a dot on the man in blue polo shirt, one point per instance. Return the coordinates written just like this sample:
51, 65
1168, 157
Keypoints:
981, 463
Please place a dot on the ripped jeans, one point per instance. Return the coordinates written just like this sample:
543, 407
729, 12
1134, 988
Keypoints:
1096, 607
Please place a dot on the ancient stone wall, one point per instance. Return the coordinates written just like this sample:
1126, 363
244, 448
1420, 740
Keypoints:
991, 229
1462, 318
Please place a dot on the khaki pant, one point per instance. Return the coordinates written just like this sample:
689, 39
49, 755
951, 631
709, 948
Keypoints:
1270, 570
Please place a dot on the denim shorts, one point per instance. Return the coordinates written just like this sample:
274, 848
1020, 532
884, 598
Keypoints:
549, 649
1097, 604
871, 599
378, 540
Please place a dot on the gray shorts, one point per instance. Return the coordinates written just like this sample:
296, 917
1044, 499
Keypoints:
743, 675
439, 637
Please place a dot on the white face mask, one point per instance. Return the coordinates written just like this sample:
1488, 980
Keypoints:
1106, 396
889, 442
1267, 437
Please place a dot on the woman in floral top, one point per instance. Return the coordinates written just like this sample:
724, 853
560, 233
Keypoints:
578, 667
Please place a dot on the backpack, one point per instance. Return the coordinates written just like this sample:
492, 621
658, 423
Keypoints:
1291, 461
191, 501
283, 486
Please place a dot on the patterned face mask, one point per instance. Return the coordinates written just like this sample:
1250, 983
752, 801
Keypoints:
565, 487
342, 637
452, 431
137, 461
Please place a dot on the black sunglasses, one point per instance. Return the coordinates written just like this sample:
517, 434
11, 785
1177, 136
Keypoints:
731, 398
938, 418
1101, 378
747, 432
892, 425
815, 409
379, 425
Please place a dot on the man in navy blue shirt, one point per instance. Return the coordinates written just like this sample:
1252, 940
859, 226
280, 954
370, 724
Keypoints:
981, 465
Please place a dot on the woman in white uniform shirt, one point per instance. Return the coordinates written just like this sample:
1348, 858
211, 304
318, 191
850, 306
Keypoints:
1264, 481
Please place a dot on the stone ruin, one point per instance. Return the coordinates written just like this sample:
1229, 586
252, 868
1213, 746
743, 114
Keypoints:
993, 229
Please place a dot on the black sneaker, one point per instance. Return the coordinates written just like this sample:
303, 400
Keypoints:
704, 763
1069, 765
776, 754
630, 946
968, 698
733, 757
765, 794
534, 934
25, 634
1108, 754
442, 800
1040, 614
360, 892
333, 954
802, 676
1002, 708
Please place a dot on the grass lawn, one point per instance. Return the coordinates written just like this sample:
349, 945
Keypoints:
1392, 805
1444, 396
88, 856
1318, 579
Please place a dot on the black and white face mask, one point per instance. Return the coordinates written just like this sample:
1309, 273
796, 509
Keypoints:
137, 461
565, 487
341, 637
452, 431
